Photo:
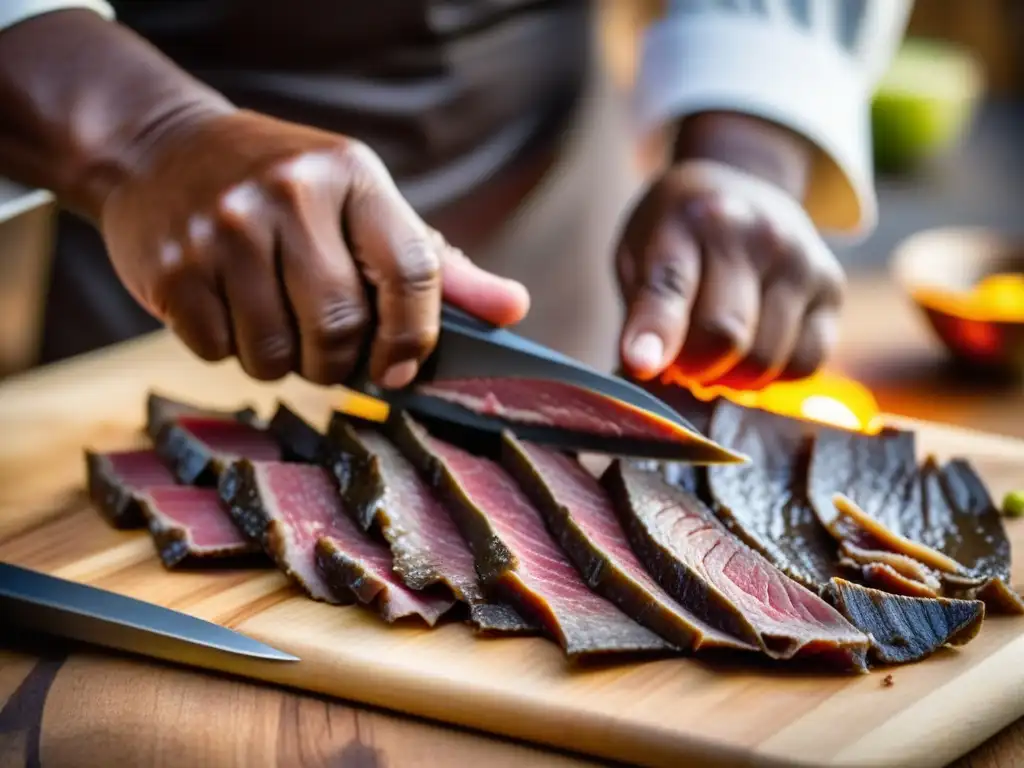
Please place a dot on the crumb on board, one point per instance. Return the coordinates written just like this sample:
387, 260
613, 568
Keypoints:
887, 681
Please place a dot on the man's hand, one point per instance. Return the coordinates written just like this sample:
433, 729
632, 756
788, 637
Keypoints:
723, 273
251, 236
248, 236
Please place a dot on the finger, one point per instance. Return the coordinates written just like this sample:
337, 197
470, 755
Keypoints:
195, 312
324, 290
783, 305
659, 300
724, 319
818, 337
262, 328
483, 294
400, 258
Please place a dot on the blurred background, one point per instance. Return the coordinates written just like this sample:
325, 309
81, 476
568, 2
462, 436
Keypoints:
948, 125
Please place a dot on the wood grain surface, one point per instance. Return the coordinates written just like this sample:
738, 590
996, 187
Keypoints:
659, 713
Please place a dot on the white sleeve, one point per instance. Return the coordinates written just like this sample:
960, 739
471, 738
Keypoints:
15, 11
809, 65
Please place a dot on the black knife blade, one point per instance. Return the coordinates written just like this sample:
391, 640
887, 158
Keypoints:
469, 348
36, 601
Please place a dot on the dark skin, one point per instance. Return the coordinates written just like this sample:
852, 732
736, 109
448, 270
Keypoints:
223, 223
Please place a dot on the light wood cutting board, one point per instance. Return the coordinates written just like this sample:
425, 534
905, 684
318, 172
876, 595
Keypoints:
665, 713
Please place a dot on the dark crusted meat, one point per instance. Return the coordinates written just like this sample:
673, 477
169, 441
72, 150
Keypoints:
114, 481
696, 560
517, 557
384, 491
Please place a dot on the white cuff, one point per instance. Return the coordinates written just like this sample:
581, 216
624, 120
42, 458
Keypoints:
782, 73
15, 11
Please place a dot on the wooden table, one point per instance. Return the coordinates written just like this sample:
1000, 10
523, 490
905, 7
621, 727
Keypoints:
65, 706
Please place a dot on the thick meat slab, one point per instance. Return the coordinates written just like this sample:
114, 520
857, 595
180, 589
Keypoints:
114, 481
696, 560
579, 513
199, 448
765, 501
296, 513
541, 402
516, 556
383, 490
298, 439
162, 410
906, 629
189, 524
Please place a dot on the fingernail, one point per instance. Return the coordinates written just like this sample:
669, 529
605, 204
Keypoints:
399, 374
647, 351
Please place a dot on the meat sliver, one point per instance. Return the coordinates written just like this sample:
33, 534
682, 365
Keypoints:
384, 491
199, 448
579, 513
297, 512
115, 480
547, 403
696, 560
516, 555
189, 524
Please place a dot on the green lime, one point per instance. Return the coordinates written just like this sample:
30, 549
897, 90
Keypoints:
923, 103
1013, 504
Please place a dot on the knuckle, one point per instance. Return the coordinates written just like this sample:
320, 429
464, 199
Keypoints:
723, 334
339, 323
412, 343
271, 357
237, 209
668, 279
418, 266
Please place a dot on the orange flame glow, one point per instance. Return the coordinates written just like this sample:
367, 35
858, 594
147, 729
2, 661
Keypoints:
825, 398
997, 298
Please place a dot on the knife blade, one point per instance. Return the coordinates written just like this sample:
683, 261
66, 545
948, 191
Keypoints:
469, 348
31, 600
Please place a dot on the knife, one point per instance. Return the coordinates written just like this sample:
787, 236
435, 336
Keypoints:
30, 600
469, 348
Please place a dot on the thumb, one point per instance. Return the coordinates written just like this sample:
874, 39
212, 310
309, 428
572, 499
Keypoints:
482, 294
667, 275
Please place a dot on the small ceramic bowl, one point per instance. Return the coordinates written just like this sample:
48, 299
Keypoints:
969, 284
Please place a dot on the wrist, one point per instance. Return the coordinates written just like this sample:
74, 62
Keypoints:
768, 151
85, 100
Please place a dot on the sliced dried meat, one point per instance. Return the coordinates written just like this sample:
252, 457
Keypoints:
886, 578
383, 490
298, 439
696, 560
904, 574
579, 514
189, 524
296, 513
868, 489
162, 410
546, 403
975, 536
906, 629
114, 481
199, 448
516, 556
765, 501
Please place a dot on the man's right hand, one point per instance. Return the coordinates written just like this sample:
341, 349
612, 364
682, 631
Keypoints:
253, 237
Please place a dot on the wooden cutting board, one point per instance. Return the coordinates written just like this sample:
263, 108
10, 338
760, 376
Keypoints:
665, 713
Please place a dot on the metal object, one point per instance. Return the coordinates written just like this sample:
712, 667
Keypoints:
30, 600
470, 348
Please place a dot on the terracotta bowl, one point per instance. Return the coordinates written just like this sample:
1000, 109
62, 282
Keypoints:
939, 268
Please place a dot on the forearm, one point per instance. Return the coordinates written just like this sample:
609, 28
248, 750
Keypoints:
771, 152
809, 68
80, 100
